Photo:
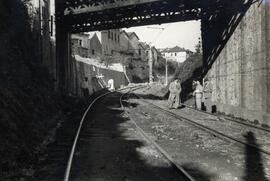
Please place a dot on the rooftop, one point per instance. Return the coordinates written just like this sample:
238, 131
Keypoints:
174, 49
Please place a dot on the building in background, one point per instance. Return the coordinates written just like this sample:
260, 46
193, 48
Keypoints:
110, 40
134, 43
143, 51
94, 45
129, 44
176, 54
86, 45
125, 45
154, 52
80, 44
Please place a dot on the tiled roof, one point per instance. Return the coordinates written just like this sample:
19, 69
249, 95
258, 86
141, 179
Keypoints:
132, 33
174, 49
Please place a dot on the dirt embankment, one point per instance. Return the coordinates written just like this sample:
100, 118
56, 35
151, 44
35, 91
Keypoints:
29, 107
188, 71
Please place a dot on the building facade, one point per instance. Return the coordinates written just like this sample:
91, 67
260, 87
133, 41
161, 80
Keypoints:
175, 54
94, 45
86, 45
110, 40
80, 44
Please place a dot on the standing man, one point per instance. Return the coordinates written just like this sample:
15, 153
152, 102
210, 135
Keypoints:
207, 93
198, 95
174, 98
84, 87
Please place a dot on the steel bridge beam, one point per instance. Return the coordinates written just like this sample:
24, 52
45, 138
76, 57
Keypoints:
136, 15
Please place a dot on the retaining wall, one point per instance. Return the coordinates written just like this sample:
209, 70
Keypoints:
92, 72
241, 74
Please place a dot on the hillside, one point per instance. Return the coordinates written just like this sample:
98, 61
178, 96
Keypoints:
188, 71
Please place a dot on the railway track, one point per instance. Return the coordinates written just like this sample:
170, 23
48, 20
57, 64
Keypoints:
95, 132
157, 146
74, 144
229, 119
207, 129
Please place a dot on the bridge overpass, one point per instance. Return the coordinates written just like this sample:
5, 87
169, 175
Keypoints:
219, 19
238, 65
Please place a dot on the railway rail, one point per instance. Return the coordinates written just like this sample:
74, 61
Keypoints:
74, 144
167, 156
212, 131
229, 119
77, 136
157, 146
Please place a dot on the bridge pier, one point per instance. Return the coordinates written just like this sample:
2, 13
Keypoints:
63, 51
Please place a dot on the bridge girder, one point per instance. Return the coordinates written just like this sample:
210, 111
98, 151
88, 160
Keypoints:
134, 15
90, 15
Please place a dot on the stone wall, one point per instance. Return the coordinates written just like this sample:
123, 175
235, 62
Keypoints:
241, 73
81, 70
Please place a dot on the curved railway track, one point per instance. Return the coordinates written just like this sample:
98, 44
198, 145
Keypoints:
157, 146
71, 155
77, 136
205, 128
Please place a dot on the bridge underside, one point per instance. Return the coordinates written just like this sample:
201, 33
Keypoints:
134, 15
219, 18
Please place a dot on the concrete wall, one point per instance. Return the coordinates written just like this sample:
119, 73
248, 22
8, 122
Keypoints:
42, 18
81, 70
241, 74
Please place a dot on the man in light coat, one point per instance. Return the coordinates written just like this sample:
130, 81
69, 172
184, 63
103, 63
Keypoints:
174, 98
198, 95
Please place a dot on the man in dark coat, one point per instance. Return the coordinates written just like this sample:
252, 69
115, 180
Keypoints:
84, 87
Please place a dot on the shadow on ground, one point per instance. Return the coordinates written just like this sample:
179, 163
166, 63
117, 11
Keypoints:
109, 149
147, 96
197, 173
254, 166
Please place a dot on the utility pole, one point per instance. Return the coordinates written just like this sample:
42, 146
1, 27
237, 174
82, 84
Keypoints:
166, 70
151, 57
150, 65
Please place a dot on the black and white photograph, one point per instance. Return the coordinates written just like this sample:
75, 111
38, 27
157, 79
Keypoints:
134, 90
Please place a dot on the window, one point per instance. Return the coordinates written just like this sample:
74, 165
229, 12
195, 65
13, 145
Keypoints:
93, 52
139, 52
112, 52
175, 54
80, 42
115, 37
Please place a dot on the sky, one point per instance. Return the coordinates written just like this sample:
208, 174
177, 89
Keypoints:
182, 34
